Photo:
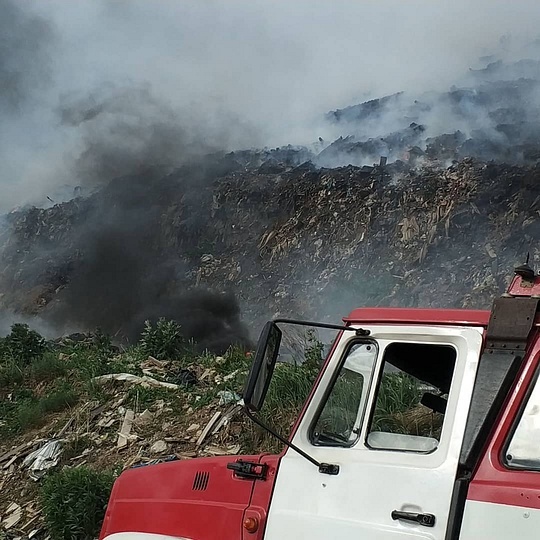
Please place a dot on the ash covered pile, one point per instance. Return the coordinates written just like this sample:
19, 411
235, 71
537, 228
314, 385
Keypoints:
302, 242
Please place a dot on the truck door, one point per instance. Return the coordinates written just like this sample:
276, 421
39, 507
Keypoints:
390, 410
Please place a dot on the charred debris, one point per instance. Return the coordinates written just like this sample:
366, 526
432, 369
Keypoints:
305, 241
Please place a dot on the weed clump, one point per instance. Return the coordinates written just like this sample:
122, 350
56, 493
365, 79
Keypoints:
74, 503
25, 410
164, 340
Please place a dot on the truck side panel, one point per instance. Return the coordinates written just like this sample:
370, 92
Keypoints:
504, 502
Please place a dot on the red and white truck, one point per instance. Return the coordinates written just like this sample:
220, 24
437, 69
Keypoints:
350, 469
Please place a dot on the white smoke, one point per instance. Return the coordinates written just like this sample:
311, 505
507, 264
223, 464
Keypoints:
228, 75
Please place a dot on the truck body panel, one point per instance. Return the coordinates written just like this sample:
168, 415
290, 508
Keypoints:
504, 501
374, 482
198, 498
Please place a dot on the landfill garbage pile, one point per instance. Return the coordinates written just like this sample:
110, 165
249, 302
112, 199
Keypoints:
492, 115
420, 215
304, 241
131, 416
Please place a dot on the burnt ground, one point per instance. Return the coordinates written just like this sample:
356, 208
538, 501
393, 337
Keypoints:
295, 240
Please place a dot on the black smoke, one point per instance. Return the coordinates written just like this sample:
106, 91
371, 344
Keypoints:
130, 268
124, 130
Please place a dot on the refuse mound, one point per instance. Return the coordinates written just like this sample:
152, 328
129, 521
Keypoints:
307, 241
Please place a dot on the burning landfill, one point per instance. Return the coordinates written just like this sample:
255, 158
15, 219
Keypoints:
417, 199
401, 219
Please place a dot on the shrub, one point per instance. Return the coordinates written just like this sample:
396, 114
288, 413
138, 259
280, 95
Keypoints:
22, 345
61, 398
27, 415
75, 447
25, 411
74, 503
164, 340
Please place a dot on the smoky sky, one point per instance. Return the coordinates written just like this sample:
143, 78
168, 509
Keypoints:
224, 75
133, 91
24, 62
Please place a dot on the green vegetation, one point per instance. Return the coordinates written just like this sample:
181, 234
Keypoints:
164, 340
74, 503
22, 345
24, 410
398, 408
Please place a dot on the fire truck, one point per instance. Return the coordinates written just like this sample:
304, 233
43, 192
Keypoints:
353, 469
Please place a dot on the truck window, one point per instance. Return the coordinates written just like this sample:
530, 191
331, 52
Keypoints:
524, 449
338, 422
411, 397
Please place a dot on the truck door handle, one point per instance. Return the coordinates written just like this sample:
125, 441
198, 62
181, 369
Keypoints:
427, 520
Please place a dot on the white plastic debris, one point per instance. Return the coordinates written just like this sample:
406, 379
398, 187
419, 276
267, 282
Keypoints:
159, 447
226, 397
128, 377
43, 459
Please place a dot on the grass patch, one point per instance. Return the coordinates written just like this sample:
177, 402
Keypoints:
286, 396
140, 397
61, 398
11, 375
74, 503
26, 411
75, 447
398, 408
47, 368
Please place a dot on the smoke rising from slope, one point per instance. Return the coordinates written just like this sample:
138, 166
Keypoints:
231, 75
125, 273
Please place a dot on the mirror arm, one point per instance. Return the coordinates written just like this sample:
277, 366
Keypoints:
358, 331
323, 467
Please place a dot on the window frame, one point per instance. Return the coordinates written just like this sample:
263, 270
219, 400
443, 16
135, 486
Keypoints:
535, 380
376, 393
330, 387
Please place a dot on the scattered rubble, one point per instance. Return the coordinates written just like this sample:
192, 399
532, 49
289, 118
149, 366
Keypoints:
316, 243
43, 459
114, 433
123, 436
159, 447
128, 377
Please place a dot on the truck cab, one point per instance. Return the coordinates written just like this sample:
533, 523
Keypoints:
421, 424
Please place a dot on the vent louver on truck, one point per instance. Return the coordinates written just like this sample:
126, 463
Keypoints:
200, 482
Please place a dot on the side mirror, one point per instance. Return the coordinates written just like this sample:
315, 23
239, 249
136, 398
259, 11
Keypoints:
263, 366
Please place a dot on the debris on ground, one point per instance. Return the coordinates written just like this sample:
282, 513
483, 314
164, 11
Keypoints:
128, 377
43, 459
125, 430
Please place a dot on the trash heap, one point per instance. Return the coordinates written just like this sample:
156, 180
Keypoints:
131, 416
305, 241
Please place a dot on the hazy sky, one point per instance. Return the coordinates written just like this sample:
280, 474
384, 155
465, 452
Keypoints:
230, 74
